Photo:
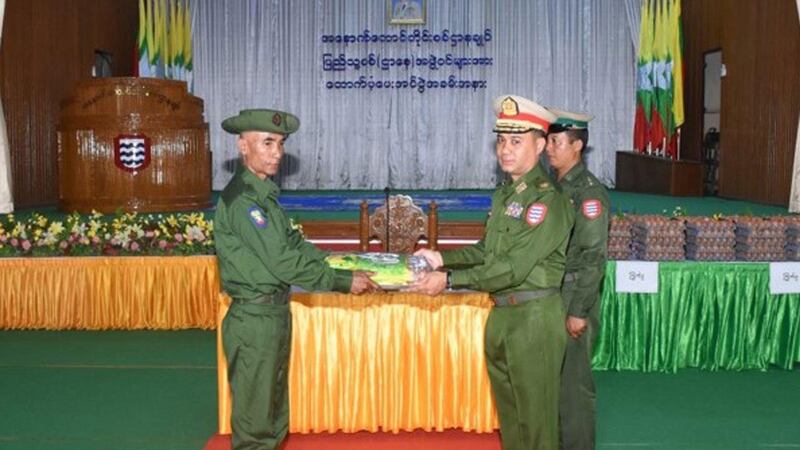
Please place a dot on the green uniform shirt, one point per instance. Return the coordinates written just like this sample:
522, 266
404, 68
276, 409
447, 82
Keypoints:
525, 242
258, 250
586, 254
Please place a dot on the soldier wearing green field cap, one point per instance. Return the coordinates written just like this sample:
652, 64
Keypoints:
586, 260
520, 261
260, 256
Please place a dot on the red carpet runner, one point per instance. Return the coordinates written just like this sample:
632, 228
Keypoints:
416, 440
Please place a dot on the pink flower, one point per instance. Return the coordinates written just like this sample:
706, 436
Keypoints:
26, 245
3, 238
134, 247
96, 240
14, 242
162, 244
178, 237
149, 234
63, 245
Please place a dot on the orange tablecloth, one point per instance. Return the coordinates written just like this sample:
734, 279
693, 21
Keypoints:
98, 293
389, 361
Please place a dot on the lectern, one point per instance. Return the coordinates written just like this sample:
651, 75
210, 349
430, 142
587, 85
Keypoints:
133, 144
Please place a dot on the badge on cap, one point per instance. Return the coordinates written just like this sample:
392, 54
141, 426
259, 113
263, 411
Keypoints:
276, 119
510, 107
514, 210
592, 209
257, 216
536, 214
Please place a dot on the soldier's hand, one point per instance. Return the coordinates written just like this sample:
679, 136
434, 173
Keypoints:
363, 283
434, 258
432, 283
576, 326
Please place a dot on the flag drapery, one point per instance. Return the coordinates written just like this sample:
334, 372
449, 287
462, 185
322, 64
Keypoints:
164, 43
659, 93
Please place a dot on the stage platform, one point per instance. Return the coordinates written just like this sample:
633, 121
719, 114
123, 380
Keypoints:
472, 205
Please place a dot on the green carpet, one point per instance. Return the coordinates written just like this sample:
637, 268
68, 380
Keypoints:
157, 390
107, 390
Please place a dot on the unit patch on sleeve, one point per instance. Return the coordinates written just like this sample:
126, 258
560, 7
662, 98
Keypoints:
257, 216
536, 214
592, 209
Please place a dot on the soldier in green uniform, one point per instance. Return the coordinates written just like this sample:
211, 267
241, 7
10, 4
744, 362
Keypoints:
520, 261
586, 260
260, 255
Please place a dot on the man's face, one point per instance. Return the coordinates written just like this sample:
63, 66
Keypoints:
518, 153
562, 152
261, 152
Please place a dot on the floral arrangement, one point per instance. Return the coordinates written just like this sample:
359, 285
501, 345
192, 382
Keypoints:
121, 234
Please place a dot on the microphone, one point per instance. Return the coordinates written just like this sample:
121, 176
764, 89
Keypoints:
386, 192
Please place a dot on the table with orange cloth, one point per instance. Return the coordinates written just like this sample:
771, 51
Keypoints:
382, 362
109, 293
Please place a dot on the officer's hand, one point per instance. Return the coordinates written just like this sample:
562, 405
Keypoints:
363, 283
432, 283
576, 326
434, 258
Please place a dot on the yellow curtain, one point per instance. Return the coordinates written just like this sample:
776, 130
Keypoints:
389, 362
109, 293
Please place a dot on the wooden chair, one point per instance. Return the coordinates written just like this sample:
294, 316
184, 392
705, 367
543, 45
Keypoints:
407, 224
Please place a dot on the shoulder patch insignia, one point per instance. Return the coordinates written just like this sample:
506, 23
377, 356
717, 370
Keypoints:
536, 214
514, 210
521, 187
592, 209
257, 216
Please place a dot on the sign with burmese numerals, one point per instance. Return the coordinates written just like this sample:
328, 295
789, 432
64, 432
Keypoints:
784, 278
637, 277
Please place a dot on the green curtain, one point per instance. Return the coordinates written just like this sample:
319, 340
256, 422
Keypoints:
709, 315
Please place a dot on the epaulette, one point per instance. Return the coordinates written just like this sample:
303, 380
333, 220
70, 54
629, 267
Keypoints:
545, 185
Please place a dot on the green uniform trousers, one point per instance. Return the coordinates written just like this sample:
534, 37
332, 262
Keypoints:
578, 396
524, 349
257, 339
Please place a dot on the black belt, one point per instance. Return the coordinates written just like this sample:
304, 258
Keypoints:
570, 277
276, 298
518, 298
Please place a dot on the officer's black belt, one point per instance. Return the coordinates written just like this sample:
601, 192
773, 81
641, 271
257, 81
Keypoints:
277, 298
570, 277
518, 298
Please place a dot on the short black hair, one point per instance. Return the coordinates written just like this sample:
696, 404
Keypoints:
538, 132
574, 134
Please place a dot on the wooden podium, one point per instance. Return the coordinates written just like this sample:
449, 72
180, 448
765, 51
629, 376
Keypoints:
135, 144
654, 175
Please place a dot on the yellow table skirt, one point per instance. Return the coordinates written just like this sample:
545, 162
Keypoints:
389, 362
100, 293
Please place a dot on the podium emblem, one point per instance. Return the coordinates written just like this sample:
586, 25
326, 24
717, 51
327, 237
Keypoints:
132, 152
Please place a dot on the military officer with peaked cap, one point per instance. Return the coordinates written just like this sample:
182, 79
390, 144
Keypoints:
260, 255
586, 259
520, 261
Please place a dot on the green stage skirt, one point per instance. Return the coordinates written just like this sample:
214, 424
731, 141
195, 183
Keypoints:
706, 315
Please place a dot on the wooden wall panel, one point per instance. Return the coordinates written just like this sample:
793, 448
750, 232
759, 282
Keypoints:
760, 42
47, 46
760, 99
702, 24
